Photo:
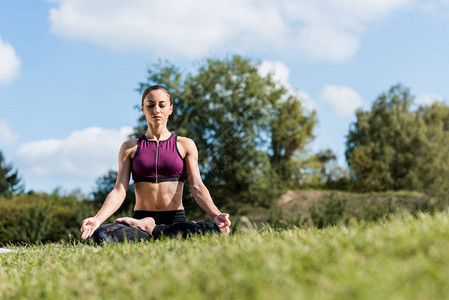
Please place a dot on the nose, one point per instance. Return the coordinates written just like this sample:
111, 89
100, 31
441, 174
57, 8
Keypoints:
156, 108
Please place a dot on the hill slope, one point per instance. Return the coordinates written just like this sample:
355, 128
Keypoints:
305, 208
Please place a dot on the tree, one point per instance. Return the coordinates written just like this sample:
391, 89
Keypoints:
10, 182
393, 147
332, 175
291, 130
229, 110
433, 157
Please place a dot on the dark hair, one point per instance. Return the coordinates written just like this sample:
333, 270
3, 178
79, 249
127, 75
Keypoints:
153, 88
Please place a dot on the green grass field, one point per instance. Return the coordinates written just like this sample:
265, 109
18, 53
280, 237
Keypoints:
403, 258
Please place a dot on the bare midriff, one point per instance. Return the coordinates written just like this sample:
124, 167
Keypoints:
162, 196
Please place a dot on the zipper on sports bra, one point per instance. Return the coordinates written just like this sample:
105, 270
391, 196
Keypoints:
157, 156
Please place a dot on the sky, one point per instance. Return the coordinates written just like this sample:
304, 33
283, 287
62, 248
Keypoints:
69, 69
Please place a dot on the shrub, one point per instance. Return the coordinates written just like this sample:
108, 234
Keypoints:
42, 217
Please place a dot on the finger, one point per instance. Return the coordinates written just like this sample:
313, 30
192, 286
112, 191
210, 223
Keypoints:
83, 226
227, 220
227, 230
89, 233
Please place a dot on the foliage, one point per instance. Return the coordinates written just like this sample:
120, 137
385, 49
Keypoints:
10, 182
248, 129
331, 175
42, 217
392, 147
291, 130
330, 213
433, 155
363, 261
312, 208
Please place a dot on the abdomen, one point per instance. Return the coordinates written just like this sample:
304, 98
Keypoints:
161, 196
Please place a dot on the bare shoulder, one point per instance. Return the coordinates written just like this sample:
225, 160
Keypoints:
129, 147
186, 146
185, 141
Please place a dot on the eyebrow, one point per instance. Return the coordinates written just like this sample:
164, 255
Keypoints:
155, 101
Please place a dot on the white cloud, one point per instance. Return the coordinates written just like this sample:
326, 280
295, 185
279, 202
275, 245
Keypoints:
344, 99
84, 154
281, 73
7, 136
321, 43
428, 99
327, 30
9, 62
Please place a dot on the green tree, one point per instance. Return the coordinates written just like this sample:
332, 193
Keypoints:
10, 182
229, 110
392, 147
433, 156
291, 130
332, 176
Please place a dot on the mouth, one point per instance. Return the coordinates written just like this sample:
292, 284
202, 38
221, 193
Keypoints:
157, 117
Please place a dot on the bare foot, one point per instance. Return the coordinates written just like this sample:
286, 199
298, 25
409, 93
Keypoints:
145, 224
128, 221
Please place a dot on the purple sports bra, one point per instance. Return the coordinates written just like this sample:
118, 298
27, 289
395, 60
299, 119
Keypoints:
157, 162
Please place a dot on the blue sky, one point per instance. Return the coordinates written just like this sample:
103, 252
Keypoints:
69, 68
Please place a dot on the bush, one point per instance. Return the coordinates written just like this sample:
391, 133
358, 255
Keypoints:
329, 212
41, 218
328, 208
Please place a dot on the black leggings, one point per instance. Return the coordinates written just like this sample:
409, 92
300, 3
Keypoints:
168, 223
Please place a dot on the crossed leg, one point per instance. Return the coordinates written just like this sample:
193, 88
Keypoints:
133, 230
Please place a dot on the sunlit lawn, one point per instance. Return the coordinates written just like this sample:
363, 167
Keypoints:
405, 258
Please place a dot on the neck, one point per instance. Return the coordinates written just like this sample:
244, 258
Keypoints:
157, 132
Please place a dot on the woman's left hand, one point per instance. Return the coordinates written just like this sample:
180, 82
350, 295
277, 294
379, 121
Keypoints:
223, 222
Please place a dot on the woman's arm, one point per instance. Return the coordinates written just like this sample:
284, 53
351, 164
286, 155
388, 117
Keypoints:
199, 190
116, 197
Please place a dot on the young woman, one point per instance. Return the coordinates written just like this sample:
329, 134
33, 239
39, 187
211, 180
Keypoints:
159, 162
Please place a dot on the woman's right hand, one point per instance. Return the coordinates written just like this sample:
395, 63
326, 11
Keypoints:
89, 226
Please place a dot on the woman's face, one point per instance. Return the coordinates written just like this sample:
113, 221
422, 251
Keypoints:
156, 107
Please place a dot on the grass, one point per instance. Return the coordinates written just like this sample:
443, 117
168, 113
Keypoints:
403, 258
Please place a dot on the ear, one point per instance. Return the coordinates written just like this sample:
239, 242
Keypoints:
171, 109
141, 108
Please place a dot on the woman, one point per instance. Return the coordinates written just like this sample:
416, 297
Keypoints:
158, 161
